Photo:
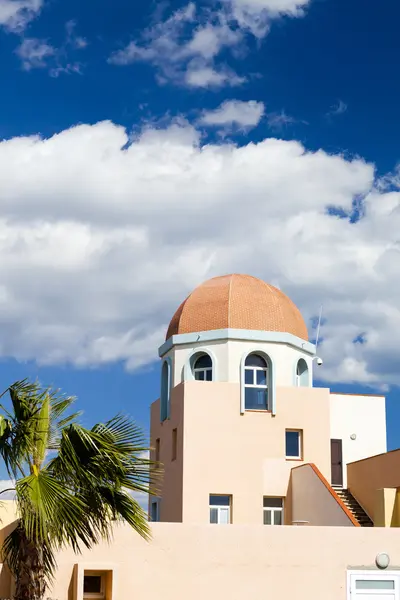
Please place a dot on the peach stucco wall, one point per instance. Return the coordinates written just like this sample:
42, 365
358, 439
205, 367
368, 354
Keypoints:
171, 481
367, 476
313, 502
241, 455
234, 562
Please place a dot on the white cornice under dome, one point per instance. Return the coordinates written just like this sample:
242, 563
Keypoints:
203, 337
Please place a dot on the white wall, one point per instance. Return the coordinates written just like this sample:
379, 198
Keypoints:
229, 355
364, 416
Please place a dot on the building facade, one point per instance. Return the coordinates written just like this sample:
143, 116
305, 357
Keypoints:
238, 410
299, 477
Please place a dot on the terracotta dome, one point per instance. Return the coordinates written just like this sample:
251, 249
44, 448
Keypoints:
237, 302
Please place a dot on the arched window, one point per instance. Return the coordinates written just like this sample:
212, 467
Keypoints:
256, 379
302, 379
202, 368
165, 390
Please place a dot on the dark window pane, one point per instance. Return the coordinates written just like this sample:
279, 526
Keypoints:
219, 500
199, 375
293, 444
301, 367
267, 517
261, 377
255, 398
249, 376
254, 360
203, 362
278, 517
164, 391
92, 584
154, 511
209, 375
214, 515
272, 502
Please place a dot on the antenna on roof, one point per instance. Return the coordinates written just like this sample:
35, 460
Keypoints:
318, 327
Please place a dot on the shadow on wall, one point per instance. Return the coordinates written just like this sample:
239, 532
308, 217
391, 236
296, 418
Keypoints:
5, 575
314, 502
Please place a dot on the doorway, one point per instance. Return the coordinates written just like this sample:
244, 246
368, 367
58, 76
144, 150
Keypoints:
336, 463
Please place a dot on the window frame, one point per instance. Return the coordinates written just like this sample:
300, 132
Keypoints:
273, 510
154, 502
203, 370
254, 370
301, 451
306, 373
95, 595
220, 508
165, 392
356, 575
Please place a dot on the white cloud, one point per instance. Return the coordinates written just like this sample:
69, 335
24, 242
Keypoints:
243, 115
39, 54
16, 14
203, 76
337, 109
100, 244
183, 50
190, 36
279, 120
256, 15
34, 53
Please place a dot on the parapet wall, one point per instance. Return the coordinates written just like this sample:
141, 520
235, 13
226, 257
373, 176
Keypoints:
234, 561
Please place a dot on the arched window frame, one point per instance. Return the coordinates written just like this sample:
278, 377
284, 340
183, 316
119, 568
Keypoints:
207, 372
166, 386
270, 380
305, 382
188, 368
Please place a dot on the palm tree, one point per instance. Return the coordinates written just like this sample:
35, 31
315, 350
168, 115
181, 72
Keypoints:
71, 483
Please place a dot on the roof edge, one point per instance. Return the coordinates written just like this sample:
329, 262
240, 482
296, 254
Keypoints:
250, 335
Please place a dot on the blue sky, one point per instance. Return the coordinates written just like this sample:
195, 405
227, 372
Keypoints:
296, 103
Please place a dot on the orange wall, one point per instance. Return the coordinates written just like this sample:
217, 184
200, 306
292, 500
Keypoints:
242, 455
366, 476
313, 500
234, 562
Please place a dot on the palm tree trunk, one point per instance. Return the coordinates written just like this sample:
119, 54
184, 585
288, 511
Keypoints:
30, 580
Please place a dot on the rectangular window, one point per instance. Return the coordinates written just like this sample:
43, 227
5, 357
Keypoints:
273, 511
294, 441
154, 515
220, 509
174, 443
93, 585
158, 450
373, 585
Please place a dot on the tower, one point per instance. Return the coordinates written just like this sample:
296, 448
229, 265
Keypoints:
237, 408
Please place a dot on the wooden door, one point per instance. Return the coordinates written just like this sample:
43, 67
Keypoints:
336, 462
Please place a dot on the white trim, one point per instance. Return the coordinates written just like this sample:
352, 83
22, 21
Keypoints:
270, 380
297, 378
187, 369
220, 508
372, 574
273, 510
165, 403
248, 335
299, 457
